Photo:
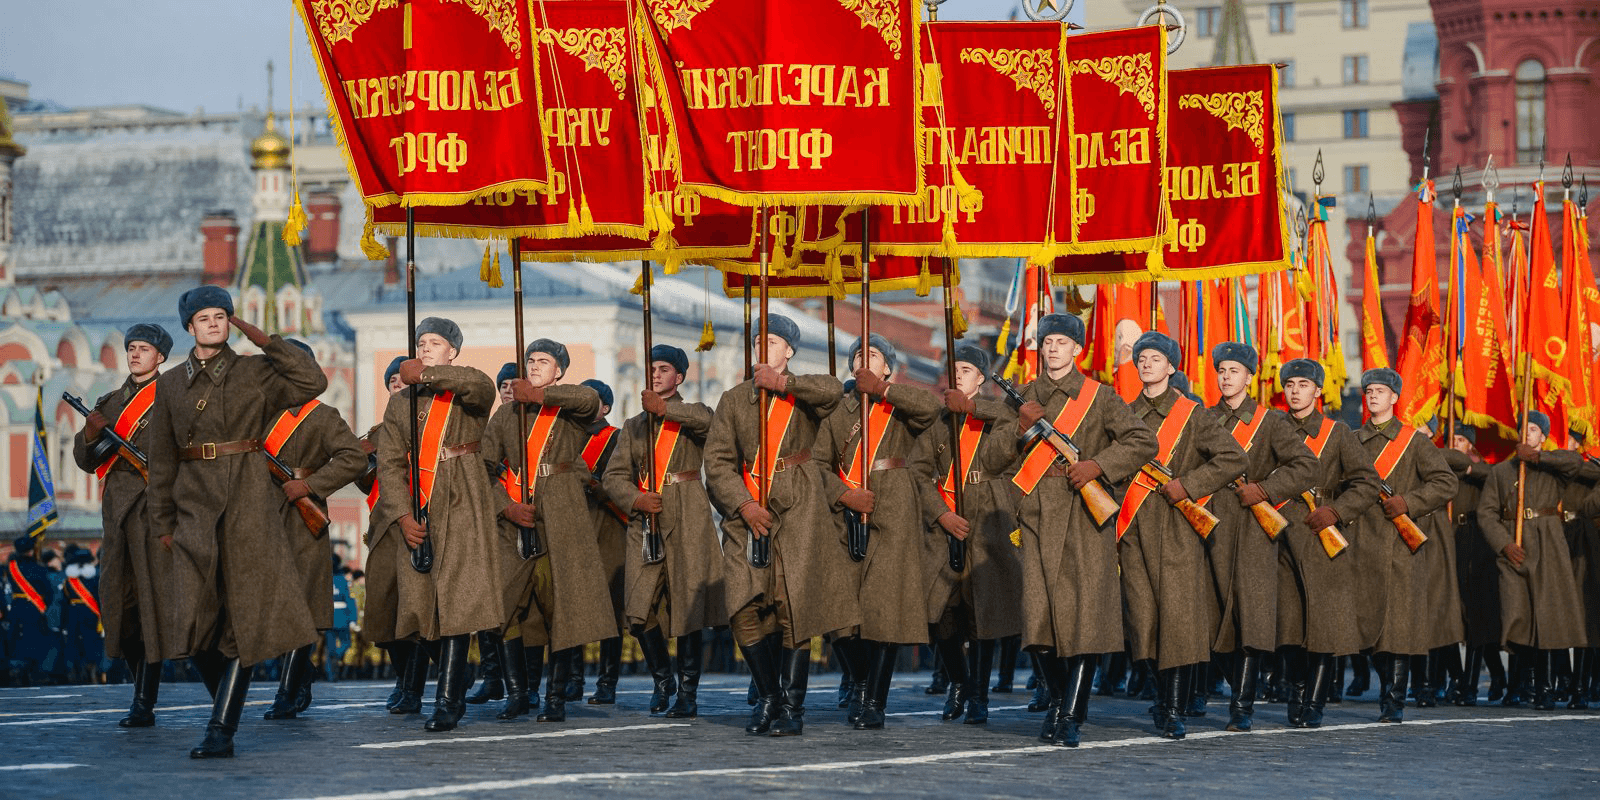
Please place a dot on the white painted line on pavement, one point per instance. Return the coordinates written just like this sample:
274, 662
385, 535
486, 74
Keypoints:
833, 766
511, 737
941, 711
344, 705
115, 710
47, 721
20, 767
38, 696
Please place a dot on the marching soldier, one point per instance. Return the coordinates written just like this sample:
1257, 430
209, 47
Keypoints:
32, 593
1477, 575
457, 596
806, 587
239, 596
610, 525
1165, 581
1391, 584
315, 442
83, 648
980, 604
680, 593
491, 682
130, 566
1316, 574
1244, 557
1072, 599
893, 579
1541, 609
559, 597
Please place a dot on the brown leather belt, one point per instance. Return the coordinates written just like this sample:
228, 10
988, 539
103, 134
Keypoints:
888, 463
458, 451
210, 450
688, 476
976, 476
788, 462
1531, 513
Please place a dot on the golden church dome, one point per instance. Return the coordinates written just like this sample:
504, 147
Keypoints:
270, 150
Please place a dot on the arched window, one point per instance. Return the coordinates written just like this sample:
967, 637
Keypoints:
1530, 111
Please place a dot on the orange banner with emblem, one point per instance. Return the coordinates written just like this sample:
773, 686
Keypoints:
432, 101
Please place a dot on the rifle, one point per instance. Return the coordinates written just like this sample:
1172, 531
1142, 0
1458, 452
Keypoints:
1267, 517
1409, 532
1201, 520
1096, 496
1333, 542
311, 514
110, 440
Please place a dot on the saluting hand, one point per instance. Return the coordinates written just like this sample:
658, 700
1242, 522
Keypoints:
648, 502
257, 337
413, 530
756, 518
955, 525
96, 423
411, 371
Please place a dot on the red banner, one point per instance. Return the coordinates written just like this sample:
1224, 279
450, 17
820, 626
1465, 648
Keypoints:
1224, 174
433, 102
1483, 386
793, 103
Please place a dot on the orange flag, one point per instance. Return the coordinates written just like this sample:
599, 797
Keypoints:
1483, 386
1494, 278
1422, 365
1544, 329
1576, 278
1374, 350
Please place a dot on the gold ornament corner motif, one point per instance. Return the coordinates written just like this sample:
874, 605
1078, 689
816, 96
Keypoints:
1129, 72
1242, 110
1030, 70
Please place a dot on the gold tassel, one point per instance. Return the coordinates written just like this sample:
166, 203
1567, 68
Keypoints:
296, 222
835, 269
1016, 538
1046, 256
958, 321
495, 279
638, 286
370, 246
949, 236
661, 220
585, 217
1005, 335
574, 224
673, 263
708, 338
484, 266
968, 197
924, 279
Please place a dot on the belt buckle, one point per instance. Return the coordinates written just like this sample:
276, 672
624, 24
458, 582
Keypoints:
208, 451
543, 471
1527, 513
974, 476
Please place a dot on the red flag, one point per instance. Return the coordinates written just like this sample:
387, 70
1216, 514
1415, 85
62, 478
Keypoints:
1483, 386
1422, 364
1544, 329
1374, 350
1580, 356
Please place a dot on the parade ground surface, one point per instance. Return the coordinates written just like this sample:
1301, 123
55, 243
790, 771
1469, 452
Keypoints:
62, 742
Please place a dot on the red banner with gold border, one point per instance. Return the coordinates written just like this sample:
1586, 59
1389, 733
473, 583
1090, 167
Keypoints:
792, 103
591, 136
1224, 174
433, 102
843, 277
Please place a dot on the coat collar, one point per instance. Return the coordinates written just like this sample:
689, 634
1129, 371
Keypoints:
1069, 385
1308, 426
1161, 404
1388, 430
1243, 413
217, 365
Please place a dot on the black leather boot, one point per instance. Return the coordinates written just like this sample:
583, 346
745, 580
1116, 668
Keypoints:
1112, 677
448, 700
294, 668
1466, 692
413, 682
1297, 675
1577, 696
573, 691
762, 659
211, 665
146, 685
491, 680
233, 683
939, 682
1496, 665
859, 653
1543, 680
534, 658
555, 692
399, 659
514, 674
1320, 686
607, 672
1078, 673
1422, 679
1053, 673
1335, 696
1243, 705
846, 684
687, 662
1007, 650
954, 658
881, 674
1199, 690
1271, 686
1174, 689
794, 669
654, 645
980, 659
1041, 687
1360, 675
1392, 671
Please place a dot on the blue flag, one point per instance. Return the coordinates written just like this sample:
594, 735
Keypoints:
41, 489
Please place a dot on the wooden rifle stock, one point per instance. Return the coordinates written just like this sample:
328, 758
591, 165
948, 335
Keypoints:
1203, 521
311, 514
1102, 506
1409, 532
1333, 542
124, 448
1266, 516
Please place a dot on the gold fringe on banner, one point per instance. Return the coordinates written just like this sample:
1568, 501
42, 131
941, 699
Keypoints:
370, 246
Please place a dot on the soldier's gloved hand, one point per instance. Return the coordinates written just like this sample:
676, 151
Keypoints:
524, 392
860, 501
1514, 554
756, 518
1395, 506
368, 446
1251, 493
1174, 492
1029, 413
652, 402
957, 402
648, 502
257, 337
1322, 517
1083, 472
770, 379
96, 423
1528, 453
955, 525
413, 530
294, 490
870, 383
411, 371
520, 515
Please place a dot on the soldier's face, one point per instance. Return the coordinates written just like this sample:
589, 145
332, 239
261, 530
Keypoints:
1154, 367
144, 358
1060, 351
1380, 399
505, 391
209, 327
875, 362
1462, 444
778, 351
434, 351
664, 378
543, 370
1301, 394
1232, 379
395, 384
968, 379
1533, 436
